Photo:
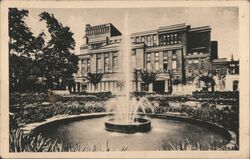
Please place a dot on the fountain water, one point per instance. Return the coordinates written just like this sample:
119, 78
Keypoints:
125, 116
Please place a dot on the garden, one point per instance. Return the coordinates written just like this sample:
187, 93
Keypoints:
38, 64
34, 108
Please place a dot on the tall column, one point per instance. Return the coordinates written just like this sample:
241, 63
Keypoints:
161, 60
80, 67
169, 53
111, 61
166, 86
109, 88
139, 86
93, 63
76, 85
102, 61
150, 87
152, 60
99, 87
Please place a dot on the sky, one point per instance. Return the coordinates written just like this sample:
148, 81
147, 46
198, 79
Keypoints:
224, 22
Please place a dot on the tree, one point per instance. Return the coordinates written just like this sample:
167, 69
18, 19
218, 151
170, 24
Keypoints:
148, 77
23, 46
94, 78
20, 37
176, 82
58, 60
208, 82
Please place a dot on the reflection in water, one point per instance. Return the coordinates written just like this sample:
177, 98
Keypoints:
92, 131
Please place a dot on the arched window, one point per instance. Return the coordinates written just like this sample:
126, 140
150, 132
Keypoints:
235, 85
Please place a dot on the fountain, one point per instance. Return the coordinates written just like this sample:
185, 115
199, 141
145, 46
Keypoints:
125, 119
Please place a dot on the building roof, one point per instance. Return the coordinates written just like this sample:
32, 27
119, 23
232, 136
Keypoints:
219, 60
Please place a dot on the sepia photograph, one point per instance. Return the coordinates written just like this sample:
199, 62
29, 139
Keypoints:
114, 80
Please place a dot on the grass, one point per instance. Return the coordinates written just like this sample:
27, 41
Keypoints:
20, 142
206, 146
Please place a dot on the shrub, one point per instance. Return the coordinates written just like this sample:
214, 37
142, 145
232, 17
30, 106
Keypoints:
40, 112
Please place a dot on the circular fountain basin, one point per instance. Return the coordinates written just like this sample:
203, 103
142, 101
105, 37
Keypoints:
139, 125
164, 129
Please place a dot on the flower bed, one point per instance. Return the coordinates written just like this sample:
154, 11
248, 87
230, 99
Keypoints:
38, 112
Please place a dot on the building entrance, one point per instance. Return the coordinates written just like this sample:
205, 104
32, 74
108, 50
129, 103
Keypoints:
159, 86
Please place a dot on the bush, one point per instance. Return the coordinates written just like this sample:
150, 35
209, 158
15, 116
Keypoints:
28, 98
217, 94
98, 94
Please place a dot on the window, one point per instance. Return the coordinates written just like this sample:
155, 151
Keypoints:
154, 40
115, 62
142, 39
96, 46
175, 38
156, 56
165, 55
196, 64
133, 52
202, 64
165, 60
148, 64
137, 39
218, 70
164, 39
165, 66
235, 85
156, 60
174, 55
148, 56
106, 62
83, 67
98, 63
189, 70
149, 40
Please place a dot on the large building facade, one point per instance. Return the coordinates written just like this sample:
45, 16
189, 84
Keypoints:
175, 52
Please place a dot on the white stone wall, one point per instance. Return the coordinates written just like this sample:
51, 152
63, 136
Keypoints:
229, 82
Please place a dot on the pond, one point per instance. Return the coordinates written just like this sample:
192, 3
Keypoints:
92, 132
